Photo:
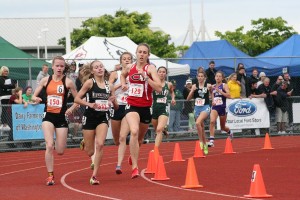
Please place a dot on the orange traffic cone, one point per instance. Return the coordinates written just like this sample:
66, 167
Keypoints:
257, 187
191, 180
228, 147
267, 144
151, 165
160, 173
177, 153
156, 154
198, 151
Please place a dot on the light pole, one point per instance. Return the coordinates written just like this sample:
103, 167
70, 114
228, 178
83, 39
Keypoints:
45, 30
38, 44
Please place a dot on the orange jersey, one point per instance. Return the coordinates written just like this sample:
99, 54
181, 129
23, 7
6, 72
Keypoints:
56, 96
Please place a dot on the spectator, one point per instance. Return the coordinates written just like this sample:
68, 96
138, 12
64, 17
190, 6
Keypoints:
6, 86
262, 76
195, 80
188, 105
265, 88
277, 83
234, 86
211, 73
15, 98
27, 96
282, 107
42, 74
254, 76
175, 110
290, 88
243, 81
73, 75
254, 91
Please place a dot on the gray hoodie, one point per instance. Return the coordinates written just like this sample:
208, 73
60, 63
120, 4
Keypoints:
40, 76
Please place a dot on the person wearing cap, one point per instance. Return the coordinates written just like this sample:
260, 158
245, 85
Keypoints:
243, 81
262, 76
175, 110
188, 105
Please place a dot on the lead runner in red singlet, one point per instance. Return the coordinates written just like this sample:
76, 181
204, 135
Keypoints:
143, 79
57, 87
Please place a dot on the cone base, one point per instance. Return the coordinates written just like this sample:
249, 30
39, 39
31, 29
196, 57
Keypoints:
160, 179
229, 152
199, 156
258, 196
149, 172
178, 160
268, 148
191, 186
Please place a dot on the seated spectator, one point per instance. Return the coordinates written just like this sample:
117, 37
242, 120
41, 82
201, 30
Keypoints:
15, 98
234, 86
262, 76
27, 96
282, 107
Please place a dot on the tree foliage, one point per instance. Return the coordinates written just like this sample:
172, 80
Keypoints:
133, 25
265, 34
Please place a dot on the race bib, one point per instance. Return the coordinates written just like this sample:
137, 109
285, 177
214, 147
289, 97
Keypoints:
199, 102
162, 100
136, 90
218, 101
123, 98
54, 101
102, 105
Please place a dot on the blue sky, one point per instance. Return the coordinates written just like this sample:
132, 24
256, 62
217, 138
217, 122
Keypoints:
172, 16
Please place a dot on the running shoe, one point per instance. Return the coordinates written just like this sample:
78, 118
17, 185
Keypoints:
135, 173
94, 181
129, 160
201, 145
81, 145
50, 181
118, 170
211, 143
92, 166
205, 149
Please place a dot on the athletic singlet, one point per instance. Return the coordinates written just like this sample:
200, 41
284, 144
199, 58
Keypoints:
160, 98
121, 95
140, 92
219, 99
99, 96
201, 95
56, 96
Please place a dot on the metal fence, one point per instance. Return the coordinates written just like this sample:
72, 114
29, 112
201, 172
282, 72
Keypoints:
185, 130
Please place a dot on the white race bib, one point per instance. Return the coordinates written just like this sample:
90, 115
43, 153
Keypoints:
136, 90
123, 98
162, 100
199, 102
54, 101
102, 105
218, 101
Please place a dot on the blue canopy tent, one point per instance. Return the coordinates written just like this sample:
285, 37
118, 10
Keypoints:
226, 57
286, 54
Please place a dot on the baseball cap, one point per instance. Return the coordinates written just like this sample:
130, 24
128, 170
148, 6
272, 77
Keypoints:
189, 81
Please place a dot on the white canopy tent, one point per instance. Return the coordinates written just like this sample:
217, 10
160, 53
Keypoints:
109, 49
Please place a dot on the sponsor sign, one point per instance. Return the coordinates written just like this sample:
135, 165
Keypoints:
247, 113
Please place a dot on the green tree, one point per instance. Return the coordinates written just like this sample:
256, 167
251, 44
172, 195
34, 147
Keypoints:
133, 25
265, 34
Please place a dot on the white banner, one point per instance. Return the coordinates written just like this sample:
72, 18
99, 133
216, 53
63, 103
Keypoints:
247, 113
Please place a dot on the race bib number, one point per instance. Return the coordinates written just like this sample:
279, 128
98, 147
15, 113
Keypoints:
162, 100
60, 89
102, 105
123, 98
54, 101
199, 102
136, 90
218, 101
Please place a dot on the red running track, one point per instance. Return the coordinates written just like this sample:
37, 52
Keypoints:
23, 174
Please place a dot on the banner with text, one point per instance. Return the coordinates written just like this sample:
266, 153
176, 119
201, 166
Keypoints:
247, 113
27, 122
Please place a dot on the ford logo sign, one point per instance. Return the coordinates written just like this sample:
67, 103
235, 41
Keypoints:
242, 108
